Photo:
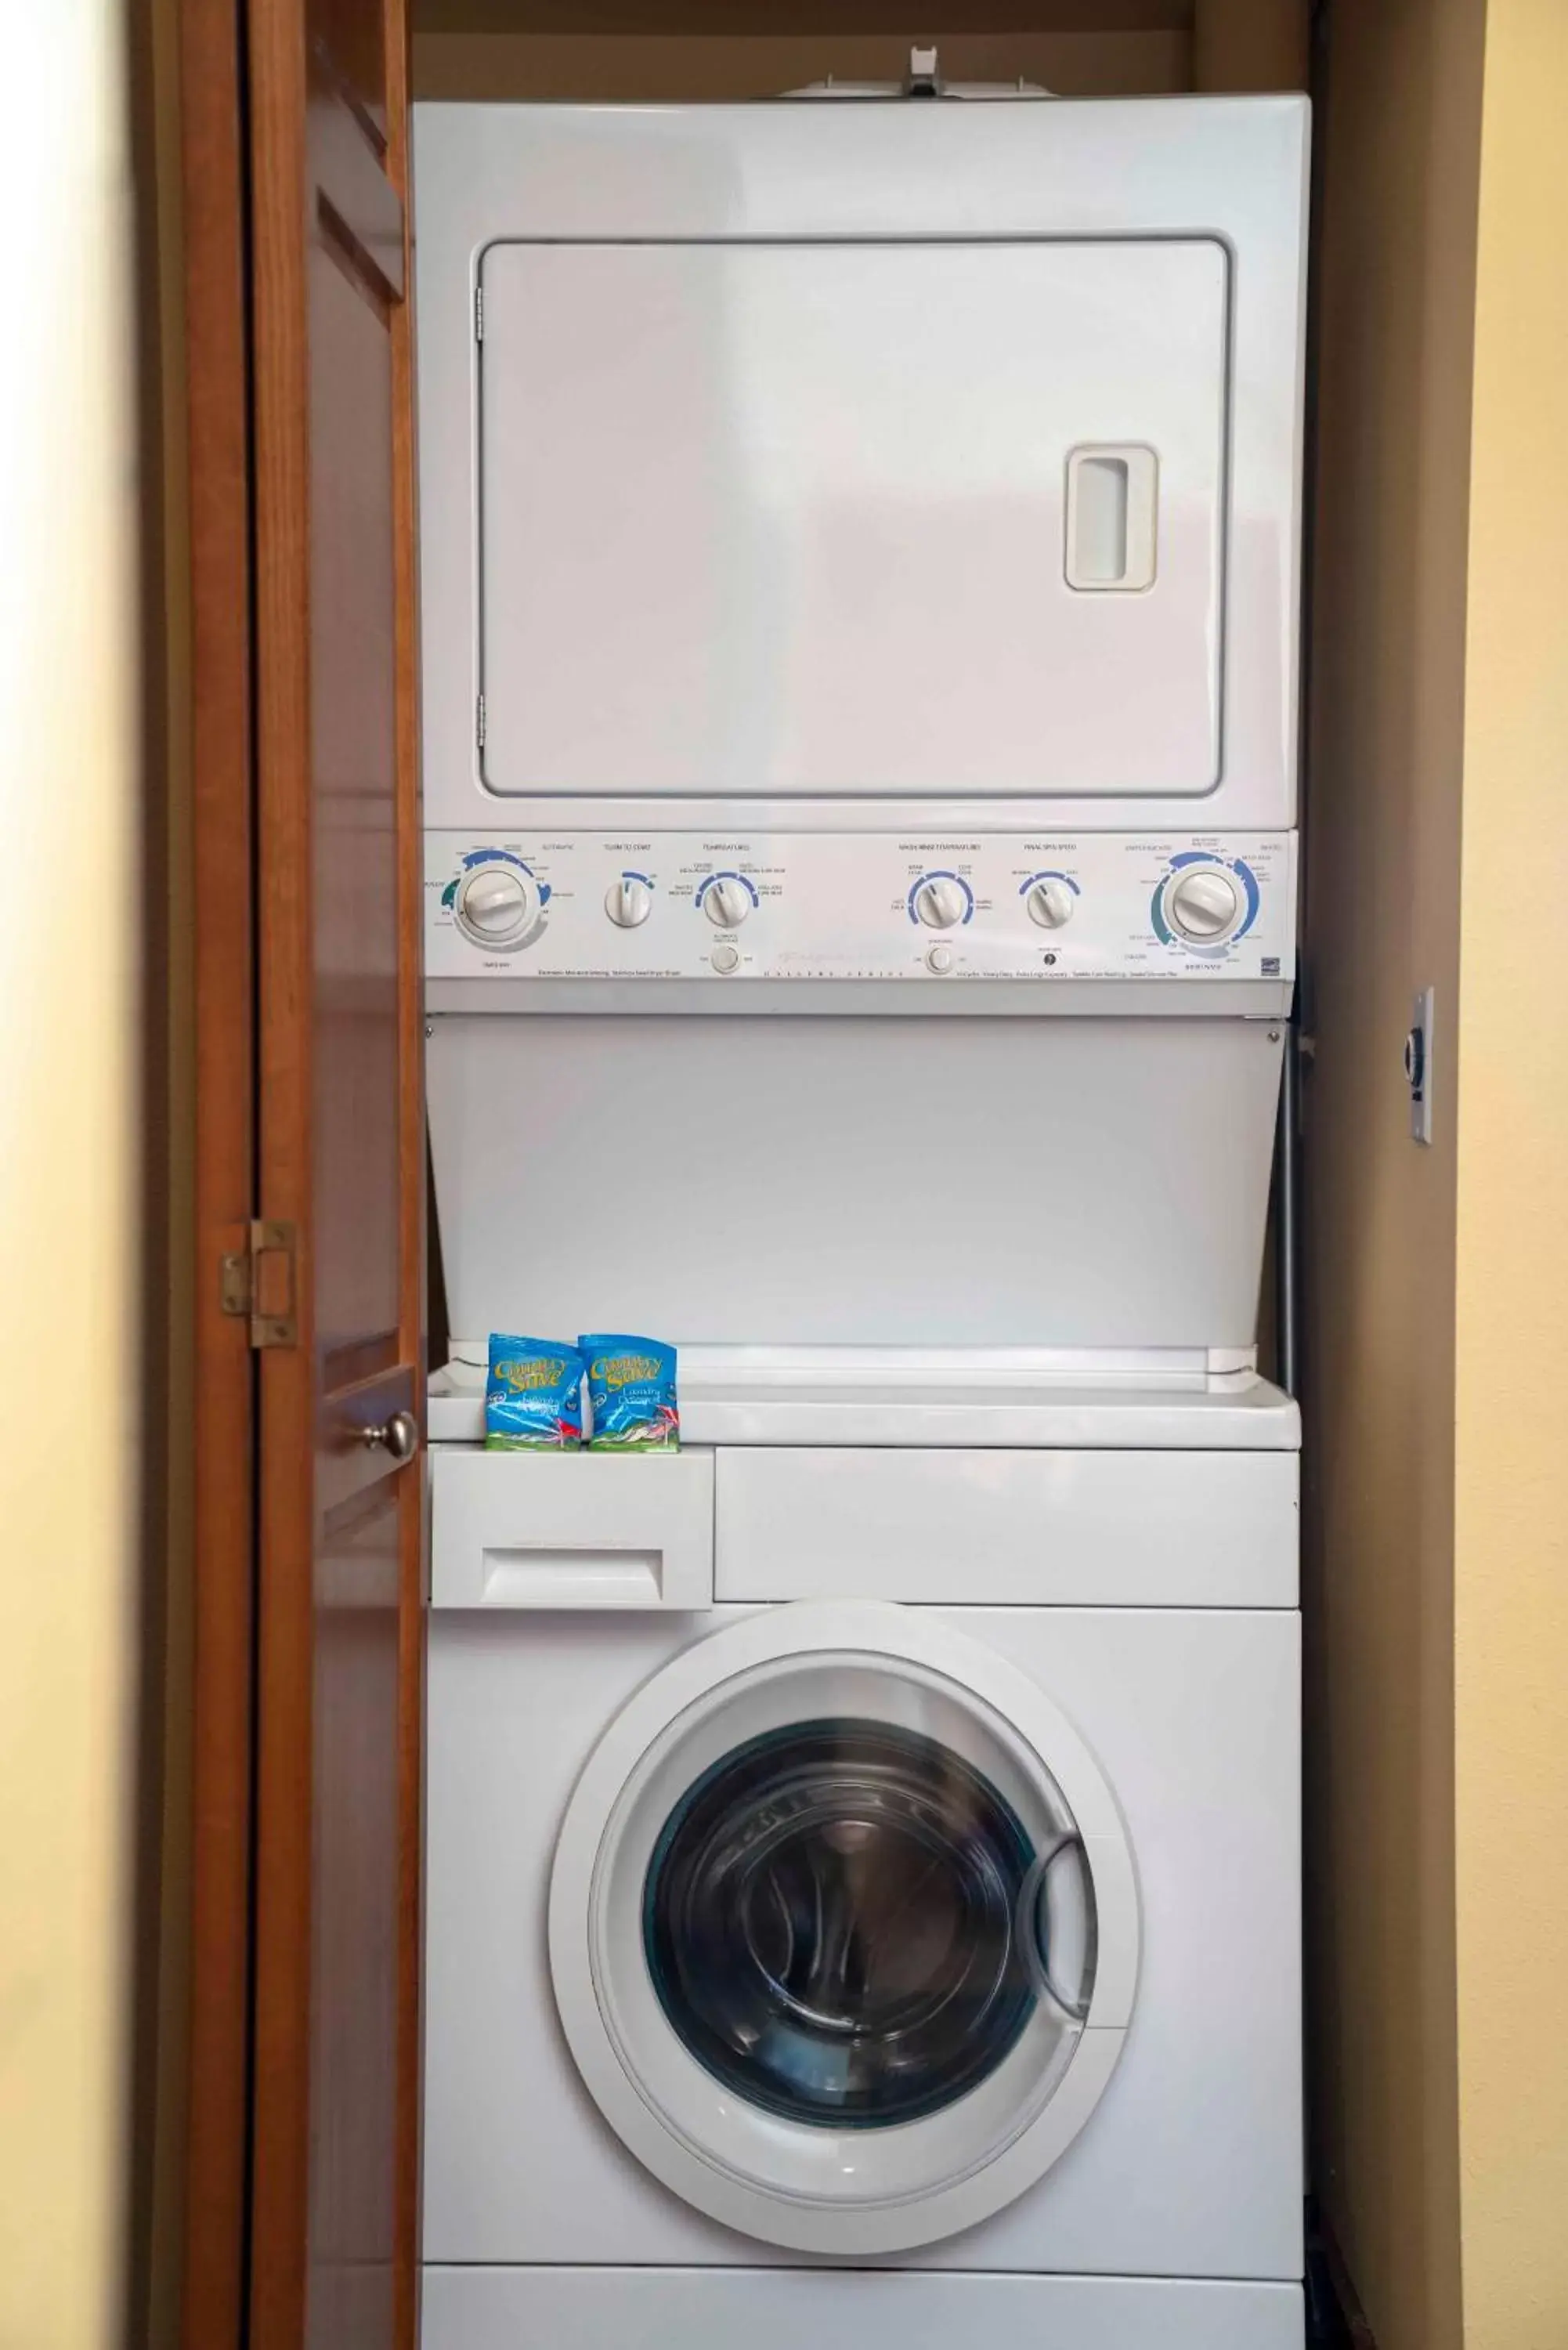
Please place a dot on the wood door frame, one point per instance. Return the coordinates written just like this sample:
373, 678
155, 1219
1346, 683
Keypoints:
217, 371
216, 294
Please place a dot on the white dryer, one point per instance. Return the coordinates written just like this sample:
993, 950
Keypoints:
853, 1865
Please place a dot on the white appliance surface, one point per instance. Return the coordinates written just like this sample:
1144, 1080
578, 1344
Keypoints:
1189, 2165
1068, 1526
862, 455
1035, 913
810, 1181
567, 2308
854, 466
1165, 1399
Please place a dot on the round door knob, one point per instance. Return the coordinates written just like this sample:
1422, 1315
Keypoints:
400, 1436
1051, 903
497, 905
727, 903
942, 903
1203, 904
629, 902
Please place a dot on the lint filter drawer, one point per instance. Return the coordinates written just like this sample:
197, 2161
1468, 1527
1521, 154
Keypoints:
571, 1530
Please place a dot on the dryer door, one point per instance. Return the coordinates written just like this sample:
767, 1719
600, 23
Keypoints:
843, 1929
851, 521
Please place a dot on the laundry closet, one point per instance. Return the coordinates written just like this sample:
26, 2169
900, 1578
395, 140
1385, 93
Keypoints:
912, 1859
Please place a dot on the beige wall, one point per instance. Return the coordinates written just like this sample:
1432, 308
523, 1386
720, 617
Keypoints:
68, 1075
1400, 128
1511, 1398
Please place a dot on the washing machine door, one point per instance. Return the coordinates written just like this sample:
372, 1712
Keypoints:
844, 1928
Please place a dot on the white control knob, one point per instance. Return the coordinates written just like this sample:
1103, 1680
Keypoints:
1203, 904
629, 902
941, 903
1051, 903
497, 905
726, 958
727, 903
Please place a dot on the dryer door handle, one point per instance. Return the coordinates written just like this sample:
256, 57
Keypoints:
1035, 1940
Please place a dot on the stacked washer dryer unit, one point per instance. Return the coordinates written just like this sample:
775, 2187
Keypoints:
860, 555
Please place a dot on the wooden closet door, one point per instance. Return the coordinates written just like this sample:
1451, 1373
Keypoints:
340, 1173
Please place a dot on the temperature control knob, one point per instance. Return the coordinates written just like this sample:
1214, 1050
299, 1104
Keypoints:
939, 903
1203, 904
497, 905
1051, 903
727, 902
629, 902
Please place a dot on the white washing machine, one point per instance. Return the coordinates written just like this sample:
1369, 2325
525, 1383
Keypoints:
860, 555
862, 1881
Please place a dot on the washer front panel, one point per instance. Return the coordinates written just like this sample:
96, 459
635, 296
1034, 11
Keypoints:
817, 2184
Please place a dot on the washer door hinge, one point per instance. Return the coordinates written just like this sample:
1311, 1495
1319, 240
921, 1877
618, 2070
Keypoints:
479, 722
479, 314
260, 1283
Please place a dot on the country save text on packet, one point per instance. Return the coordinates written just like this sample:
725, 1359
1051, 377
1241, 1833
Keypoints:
631, 1394
534, 1402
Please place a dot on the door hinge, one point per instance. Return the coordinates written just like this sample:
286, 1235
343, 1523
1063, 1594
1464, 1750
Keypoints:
479, 314
479, 722
260, 1283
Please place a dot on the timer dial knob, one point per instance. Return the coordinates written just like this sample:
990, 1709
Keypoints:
1203, 904
629, 902
1051, 903
939, 903
497, 905
727, 902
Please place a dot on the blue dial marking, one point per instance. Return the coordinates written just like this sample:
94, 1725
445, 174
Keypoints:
940, 873
744, 879
1250, 892
1048, 873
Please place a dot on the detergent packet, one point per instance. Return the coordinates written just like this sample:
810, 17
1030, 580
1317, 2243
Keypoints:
533, 1403
631, 1392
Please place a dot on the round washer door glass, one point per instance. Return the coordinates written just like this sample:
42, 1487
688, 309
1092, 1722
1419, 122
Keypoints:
833, 1920
843, 1928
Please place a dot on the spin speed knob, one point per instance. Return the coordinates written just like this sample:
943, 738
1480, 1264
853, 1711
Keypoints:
1051, 903
1203, 905
941, 903
726, 903
497, 905
629, 902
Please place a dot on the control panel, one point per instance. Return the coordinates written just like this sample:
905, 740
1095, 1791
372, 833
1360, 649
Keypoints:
857, 906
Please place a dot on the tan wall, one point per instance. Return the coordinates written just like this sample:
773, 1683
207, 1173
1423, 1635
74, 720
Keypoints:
1401, 126
1512, 1513
68, 1075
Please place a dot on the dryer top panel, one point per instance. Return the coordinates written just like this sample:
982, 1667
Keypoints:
861, 464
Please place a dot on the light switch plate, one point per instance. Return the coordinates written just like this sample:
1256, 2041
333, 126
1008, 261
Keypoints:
1418, 1067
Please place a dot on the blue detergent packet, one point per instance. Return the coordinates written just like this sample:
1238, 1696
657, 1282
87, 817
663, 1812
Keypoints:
533, 1403
631, 1393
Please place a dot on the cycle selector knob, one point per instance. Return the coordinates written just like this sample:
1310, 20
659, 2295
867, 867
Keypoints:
1051, 903
941, 903
629, 902
1203, 905
727, 902
497, 905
